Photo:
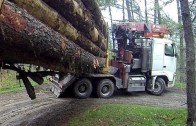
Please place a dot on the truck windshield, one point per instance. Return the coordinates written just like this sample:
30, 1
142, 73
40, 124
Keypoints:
169, 50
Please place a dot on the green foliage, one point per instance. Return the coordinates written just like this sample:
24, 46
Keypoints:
106, 3
130, 115
9, 83
180, 85
192, 4
180, 75
171, 24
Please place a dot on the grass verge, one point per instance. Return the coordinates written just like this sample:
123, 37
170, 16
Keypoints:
8, 82
129, 115
180, 85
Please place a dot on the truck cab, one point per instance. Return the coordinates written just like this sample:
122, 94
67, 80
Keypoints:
143, 60
164, 60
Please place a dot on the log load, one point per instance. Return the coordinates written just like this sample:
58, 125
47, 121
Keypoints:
93, 6
51, 18
31, 32
24, 39
81, 18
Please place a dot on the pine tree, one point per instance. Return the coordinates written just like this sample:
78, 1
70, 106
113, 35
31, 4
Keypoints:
190, 62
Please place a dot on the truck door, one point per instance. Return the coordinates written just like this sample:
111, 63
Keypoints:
169, 65
157, 58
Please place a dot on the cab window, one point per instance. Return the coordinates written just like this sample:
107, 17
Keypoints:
169, 50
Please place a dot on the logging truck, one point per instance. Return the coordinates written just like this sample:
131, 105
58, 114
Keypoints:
69, 39
143, 59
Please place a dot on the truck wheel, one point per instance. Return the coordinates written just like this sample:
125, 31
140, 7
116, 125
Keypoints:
105, 88
159, 87
83, 88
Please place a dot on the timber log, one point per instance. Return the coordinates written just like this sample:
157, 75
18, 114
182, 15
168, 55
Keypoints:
81, 18
24, 39
51, 18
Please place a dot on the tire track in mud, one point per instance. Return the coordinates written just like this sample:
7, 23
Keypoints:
18, 110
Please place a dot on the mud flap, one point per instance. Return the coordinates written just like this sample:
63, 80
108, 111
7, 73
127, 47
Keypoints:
58, 86
56, 89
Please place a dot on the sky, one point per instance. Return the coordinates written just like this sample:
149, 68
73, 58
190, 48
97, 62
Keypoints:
170, 10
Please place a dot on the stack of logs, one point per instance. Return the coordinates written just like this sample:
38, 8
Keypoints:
61, 35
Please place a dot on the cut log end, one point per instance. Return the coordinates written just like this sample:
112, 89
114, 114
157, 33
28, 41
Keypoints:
94, 34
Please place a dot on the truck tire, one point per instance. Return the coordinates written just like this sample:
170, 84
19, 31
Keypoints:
105, 88
159, 87
83, 88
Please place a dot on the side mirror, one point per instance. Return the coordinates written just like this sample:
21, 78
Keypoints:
175, 50
176, 55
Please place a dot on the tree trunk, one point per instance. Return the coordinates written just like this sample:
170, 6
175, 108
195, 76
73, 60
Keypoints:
157, 13
132, 14
24, 39
80, 18
51, 18
146, 14
181, 59
123, 6
190, 62
111, 21
110, 13
128, 10
93, 7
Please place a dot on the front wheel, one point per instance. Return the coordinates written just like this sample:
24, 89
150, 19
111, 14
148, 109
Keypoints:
105, 88
83, 88
159, 87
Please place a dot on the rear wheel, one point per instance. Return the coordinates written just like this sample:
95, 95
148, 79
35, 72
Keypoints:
159, 87
105, 88
83, 88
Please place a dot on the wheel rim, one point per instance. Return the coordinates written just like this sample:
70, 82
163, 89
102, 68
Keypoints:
82, 88
157, 87
105, 89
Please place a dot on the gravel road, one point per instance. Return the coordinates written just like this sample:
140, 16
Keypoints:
16, 109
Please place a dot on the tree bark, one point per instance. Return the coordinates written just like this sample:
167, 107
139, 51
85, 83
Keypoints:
190, 62
51, 18
80, 18
123, 10
157, 13
181, 59
93, 7
132, 13
24, 39
128, 10
146, 14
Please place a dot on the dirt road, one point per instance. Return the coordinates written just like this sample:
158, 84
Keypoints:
18, 109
